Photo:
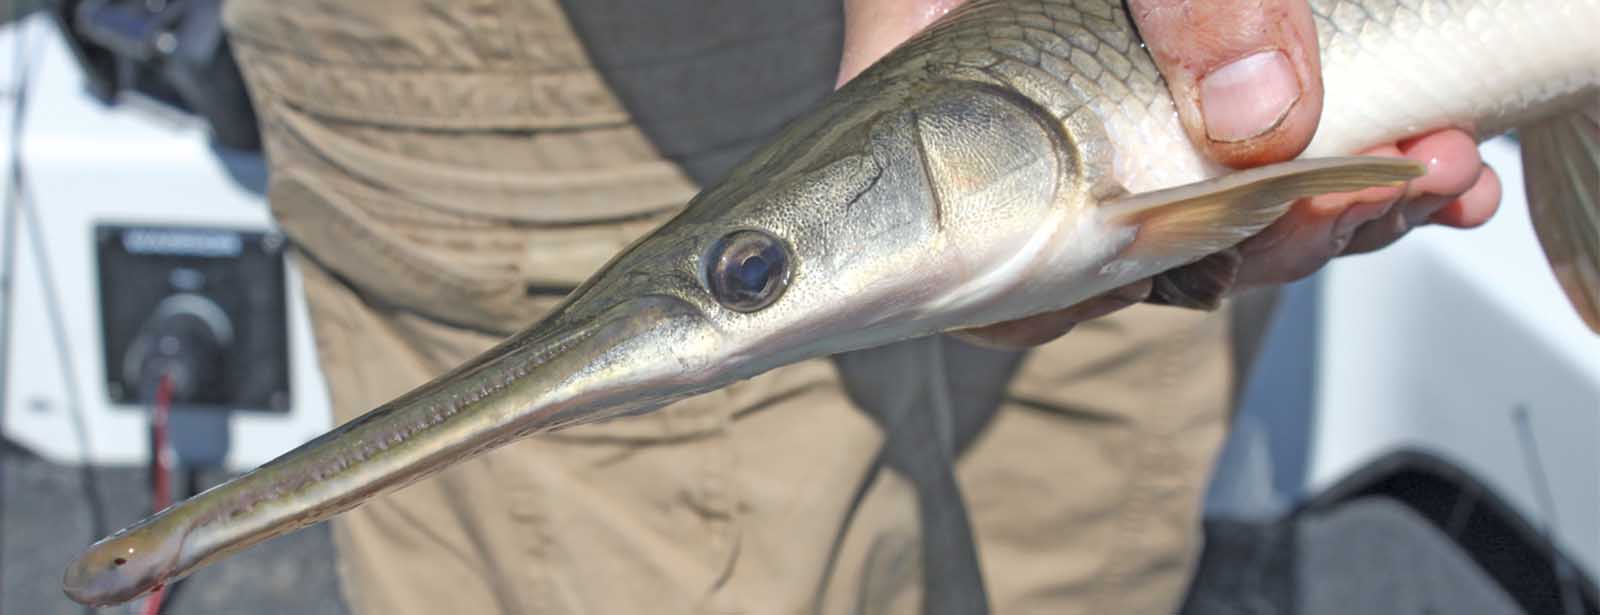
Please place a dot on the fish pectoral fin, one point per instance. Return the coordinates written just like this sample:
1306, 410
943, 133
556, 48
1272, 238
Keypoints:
1561, 173
1192, 221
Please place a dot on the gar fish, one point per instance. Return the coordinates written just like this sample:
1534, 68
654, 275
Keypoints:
1018, 156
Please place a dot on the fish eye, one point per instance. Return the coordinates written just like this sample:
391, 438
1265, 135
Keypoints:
747, 270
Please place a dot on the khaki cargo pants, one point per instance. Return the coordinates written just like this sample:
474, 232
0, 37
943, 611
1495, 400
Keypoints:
448, 169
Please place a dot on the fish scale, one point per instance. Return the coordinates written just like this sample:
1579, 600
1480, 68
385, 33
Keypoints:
1392, 69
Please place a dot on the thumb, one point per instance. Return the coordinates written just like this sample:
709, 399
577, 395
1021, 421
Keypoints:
873, 27
1245, 74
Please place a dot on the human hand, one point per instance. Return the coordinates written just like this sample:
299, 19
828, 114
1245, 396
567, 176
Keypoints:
1245, 76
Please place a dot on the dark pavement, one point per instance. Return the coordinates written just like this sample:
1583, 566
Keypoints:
46, 517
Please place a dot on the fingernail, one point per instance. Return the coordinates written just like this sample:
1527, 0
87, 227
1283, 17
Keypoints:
1248, 97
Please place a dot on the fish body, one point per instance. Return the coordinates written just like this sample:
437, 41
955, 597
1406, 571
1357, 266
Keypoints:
1017, 157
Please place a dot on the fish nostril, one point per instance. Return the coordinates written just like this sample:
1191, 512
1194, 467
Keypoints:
119, 561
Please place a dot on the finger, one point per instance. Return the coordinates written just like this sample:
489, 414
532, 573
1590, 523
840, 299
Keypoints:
1454, 168
1245, 74
1314, 231
1388, 229
1476, 206
874, 27
1452, 160
1041, 328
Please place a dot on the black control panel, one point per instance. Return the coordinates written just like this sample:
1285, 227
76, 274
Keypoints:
205, 308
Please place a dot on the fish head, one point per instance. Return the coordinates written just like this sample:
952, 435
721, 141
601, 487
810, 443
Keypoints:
874, 223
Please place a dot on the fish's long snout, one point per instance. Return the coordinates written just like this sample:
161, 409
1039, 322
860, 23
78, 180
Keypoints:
588, 362
633, 357
127, 564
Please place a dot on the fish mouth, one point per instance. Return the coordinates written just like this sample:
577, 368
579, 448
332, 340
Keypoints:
579, 365
125, 565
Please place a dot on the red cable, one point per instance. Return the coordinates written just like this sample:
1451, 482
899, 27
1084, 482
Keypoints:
161, 461
161, 469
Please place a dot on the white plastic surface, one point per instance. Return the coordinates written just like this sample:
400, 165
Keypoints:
87, 163
1435, 342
